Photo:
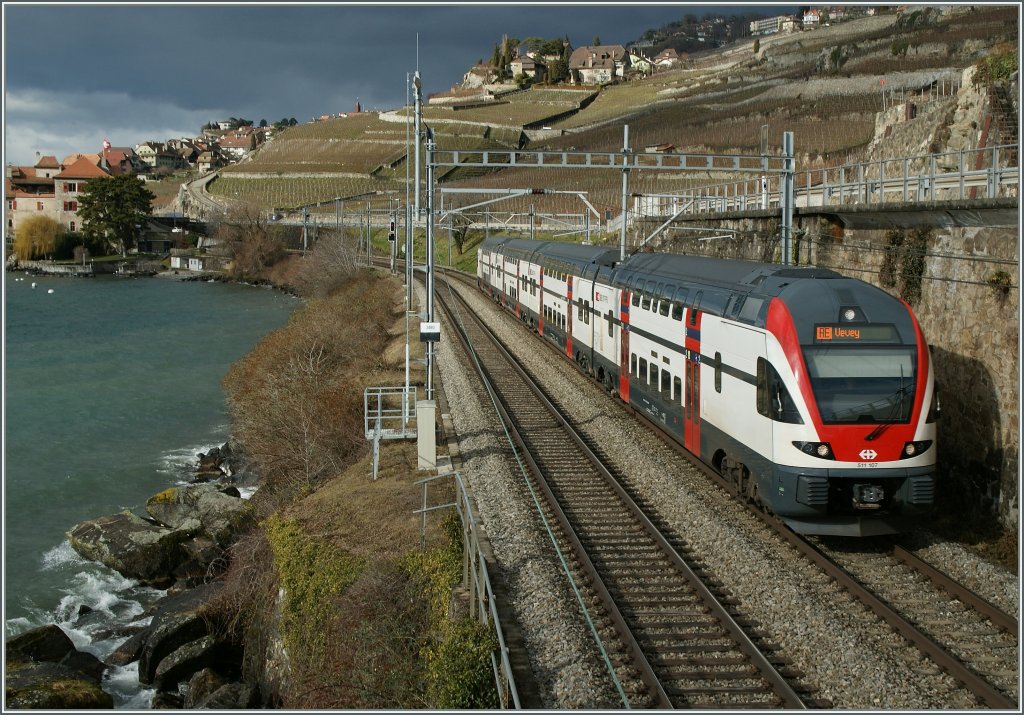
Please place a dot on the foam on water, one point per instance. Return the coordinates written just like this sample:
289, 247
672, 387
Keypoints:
113, 602
62, 555
180, 464
122, 682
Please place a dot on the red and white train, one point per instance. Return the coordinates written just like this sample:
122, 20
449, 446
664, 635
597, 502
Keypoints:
813, 392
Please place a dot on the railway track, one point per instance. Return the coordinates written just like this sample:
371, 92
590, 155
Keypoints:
947, 624
676, 630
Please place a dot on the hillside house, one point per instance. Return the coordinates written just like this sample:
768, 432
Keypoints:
147, 152
811, 18
208, 161
529, 67
667, 58
598, 64
640, 63
236, 147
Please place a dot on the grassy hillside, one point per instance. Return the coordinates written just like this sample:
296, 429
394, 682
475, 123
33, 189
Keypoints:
824, 85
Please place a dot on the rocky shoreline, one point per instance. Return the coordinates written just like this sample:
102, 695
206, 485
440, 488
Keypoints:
179, 545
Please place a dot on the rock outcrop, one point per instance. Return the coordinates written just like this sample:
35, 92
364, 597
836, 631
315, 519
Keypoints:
44, 670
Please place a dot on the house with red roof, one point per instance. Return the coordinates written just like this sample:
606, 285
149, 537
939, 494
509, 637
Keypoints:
50, 188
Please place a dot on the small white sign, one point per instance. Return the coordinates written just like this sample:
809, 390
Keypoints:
430, 332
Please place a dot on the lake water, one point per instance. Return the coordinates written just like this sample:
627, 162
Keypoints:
112, 386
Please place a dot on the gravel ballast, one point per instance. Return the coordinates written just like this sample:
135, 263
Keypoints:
851, 657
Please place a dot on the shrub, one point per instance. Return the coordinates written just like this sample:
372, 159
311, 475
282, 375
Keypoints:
311, 572
296, 399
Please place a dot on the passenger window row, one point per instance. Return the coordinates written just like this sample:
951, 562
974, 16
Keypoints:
663, 382
659, 306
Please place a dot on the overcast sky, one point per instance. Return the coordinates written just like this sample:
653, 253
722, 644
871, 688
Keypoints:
76, 74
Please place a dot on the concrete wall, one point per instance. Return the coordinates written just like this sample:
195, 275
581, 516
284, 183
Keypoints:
971, 325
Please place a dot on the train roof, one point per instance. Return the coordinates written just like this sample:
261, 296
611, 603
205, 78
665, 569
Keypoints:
564, 251
720, 272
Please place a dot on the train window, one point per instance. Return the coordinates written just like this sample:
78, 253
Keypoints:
632, 364
677, 386
660, 290
610, 317
636, 299
663, 307
718, 372
586, 312
653, 377
579, 302
666, 384
645, 302
773, 399
677, 311
642, 373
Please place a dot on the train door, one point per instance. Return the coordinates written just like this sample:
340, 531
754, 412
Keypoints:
540, 305
519, 287
568, 315
624, 345
691, 383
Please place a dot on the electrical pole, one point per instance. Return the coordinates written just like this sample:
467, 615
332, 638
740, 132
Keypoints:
417, 85
625, 190
430, 258
788, 180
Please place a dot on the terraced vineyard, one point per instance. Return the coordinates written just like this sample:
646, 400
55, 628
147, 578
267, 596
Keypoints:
720, 103
516, 109
285, 193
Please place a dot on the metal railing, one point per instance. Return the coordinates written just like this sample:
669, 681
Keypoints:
475, 555
388, 412
987, 173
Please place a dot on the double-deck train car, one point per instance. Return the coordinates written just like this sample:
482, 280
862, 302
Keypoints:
811, 392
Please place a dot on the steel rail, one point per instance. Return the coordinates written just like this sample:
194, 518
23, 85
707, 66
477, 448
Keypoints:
640, 661
758, 660
990, 695
999, 618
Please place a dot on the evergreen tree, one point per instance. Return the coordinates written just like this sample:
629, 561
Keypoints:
113, 209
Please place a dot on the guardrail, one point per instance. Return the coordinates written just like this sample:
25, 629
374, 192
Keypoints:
476, 553
475, 556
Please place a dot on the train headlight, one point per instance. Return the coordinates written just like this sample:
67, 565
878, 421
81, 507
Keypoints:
821, 450
912, 449
849, 314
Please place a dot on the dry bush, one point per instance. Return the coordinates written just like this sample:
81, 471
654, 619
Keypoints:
296, 399
250, 243
327, 267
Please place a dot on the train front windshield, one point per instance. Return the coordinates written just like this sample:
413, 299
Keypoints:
863, 384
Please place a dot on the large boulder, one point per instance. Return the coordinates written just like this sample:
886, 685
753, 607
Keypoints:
233, 696
201, 685
187, 660
132, 546
216, 514
173, 631
51, 686
45, 671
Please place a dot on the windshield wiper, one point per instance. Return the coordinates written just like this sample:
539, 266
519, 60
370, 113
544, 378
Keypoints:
897, 409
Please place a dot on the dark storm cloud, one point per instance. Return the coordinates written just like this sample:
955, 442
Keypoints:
76, 69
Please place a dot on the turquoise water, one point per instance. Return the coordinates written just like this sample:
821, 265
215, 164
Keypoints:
111, 388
